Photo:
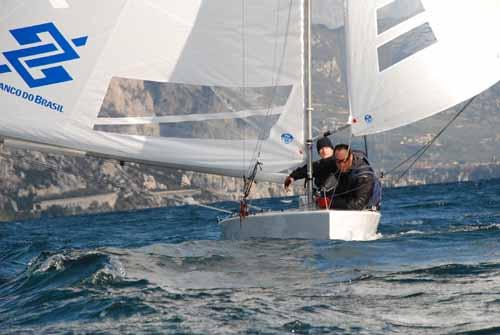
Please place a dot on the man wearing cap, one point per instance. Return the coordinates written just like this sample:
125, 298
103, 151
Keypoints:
342, 175
323, 169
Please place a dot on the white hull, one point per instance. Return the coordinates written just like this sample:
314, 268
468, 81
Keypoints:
307, 224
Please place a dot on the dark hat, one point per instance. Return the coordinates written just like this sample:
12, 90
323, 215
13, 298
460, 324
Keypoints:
323, 142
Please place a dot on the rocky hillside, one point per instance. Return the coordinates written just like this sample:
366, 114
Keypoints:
37, 184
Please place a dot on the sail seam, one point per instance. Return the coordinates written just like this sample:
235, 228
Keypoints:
191, 117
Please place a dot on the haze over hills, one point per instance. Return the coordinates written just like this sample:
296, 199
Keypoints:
35, 183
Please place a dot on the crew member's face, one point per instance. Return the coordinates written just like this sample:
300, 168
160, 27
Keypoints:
343, 160
325, 152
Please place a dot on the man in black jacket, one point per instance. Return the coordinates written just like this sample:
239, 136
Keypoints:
345, 176
358, 187
323, 169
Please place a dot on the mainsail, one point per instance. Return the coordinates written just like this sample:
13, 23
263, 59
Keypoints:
62, 62
410, 59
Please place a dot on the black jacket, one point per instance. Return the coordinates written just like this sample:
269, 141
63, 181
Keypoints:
323, 171
356, 189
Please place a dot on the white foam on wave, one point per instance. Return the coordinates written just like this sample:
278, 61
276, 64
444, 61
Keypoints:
411, 232
473, 228
414, 222
112, 271
221, 264
57, 262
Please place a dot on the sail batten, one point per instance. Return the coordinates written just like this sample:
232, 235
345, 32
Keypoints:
191, 117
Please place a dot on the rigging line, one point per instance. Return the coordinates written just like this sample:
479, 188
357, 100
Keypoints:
384, 140
275, 80
406, 160
334, 195
249, 182
33, 162
349, 145
243, 73
213, 208
100, 180
333, 131
192, 202
348, 191
257, 150
426, 147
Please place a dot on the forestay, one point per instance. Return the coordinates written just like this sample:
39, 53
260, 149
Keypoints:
195, 84
410, 59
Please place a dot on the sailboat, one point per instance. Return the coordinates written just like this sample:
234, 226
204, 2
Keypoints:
60, 59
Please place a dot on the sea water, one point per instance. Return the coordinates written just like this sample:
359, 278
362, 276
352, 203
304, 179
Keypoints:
434, 270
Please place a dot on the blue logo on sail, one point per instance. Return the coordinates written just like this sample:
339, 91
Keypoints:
368, 118
23, 60
287, 138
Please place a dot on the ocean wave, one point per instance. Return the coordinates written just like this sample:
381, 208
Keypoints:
58, 262
476, 228
298, 327
435, 270
453, 270
414, 222
403, 233
112, 273
412, 232
67, 269
125, 307
482, 331
219, 264
430, 204
495, 227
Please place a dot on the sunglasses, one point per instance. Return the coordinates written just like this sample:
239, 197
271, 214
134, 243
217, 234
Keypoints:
341, 161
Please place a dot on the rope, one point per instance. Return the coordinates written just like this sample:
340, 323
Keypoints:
417, 154
252, 172
102, 181
244, 72
420, 152
275, 80
340, 173
250, 180
192, 202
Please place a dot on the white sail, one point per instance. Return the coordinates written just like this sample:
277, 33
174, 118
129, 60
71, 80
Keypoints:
410, 59
65, 67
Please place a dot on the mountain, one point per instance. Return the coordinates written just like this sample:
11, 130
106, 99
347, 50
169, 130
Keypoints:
46, 184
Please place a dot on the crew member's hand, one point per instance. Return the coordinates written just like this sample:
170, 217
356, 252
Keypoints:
288, 182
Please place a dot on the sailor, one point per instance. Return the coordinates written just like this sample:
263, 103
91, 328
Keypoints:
343, 176
322, 169
358, 187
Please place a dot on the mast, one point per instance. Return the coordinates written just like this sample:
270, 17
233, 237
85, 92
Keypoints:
309, 108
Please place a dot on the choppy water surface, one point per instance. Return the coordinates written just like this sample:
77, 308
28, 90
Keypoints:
435, 270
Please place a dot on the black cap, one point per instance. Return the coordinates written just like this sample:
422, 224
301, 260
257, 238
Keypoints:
323, 142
